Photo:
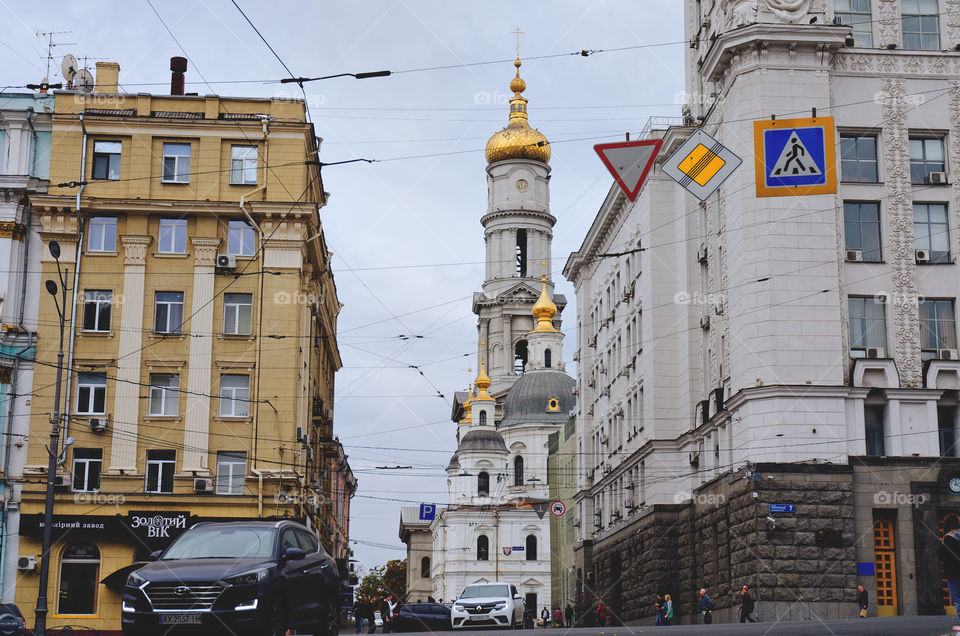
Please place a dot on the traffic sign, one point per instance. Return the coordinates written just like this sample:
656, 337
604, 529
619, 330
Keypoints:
557, 508
540, 507
428, 512
701, 165
795, 157
629, 162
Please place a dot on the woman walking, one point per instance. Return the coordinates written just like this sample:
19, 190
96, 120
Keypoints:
667, 609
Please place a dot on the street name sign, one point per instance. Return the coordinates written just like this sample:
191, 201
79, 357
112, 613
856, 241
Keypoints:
629, 162
795, 157
783, 508
701, 165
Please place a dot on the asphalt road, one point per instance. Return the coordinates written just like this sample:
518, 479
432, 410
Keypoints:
895, 626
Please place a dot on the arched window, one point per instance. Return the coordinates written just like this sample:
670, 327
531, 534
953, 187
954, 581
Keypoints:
531, 548
547, 358
518, 471
483, 418
425, 568
521, 253
519, 357
483, 548
79, 579
483, 484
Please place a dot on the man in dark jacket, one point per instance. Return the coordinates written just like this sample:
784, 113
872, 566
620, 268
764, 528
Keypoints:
359, 614
746, 605
862, 601
706, 607
386, 614
950, 557
568, 615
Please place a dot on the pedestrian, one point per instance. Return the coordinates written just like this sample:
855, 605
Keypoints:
602, 614
557, 617
667, 609
386, 614
359, 613
568, 615
862, 601
706, 607
372, 608
544, 616
746, 605
658, 606
950, 557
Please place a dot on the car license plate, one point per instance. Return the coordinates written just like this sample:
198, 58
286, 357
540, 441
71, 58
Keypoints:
180, 619
481, 617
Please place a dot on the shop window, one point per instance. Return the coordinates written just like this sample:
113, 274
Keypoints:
79, 579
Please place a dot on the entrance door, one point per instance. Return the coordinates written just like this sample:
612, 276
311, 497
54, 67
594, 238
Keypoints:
885, 566
531, 601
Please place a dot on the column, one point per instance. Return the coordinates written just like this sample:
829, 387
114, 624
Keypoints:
196, 424
126, 409
508, 352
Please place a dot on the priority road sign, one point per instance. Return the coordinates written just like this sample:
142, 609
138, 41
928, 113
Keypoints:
795, 157
701, 165
629, 162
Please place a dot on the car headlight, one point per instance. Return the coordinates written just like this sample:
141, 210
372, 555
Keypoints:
247, 578
500, 605
461, 608
135, 580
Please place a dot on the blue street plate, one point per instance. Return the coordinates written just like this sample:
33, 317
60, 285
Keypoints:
180, 619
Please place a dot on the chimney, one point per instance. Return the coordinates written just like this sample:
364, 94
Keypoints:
108, 78
178, 66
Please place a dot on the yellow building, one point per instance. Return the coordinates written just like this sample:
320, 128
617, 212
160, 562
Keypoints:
201, 347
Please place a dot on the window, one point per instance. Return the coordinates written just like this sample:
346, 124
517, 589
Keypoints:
308, 541
858, 158
234, 395
164, 393
289, 540
237, 311
521, 254
483, 418
483, 484
856, 13
240, 238
938, 328
873, 424
231, 471
921, 24
531, 548
926, 156
96, 310
160, 468
518, 471
425, 568
946, 425
103, 234
106, 160
168, 312
519, 357
547, 358
861, 223
176, 163
86, 469
868, 325
173, 236
243, 165
483, 548
79, 579
91, 393
931, 231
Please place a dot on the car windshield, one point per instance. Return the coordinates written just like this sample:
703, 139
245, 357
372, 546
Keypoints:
223, 543
484, 591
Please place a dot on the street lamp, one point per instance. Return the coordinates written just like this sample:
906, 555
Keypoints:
40, 626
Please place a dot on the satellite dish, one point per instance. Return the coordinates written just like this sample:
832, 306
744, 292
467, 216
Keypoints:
68, 68
84, 81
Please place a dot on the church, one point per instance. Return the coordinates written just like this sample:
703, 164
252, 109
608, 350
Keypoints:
496, 525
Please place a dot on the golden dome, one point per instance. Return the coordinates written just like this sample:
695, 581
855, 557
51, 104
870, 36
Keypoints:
544, 310
518, 140
483, 383
467, 406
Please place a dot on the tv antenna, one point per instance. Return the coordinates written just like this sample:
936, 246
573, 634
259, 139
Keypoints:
85, 81
51, 45
68, 69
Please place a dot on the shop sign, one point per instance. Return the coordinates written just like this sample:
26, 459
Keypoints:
158, 525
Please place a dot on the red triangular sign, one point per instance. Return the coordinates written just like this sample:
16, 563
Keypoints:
629, 162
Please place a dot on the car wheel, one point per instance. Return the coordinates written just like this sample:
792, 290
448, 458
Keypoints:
329, 624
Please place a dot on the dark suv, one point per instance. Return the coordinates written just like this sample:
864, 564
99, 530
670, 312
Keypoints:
249, 577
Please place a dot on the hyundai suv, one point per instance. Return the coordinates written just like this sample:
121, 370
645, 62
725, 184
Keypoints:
249, 577
494, 604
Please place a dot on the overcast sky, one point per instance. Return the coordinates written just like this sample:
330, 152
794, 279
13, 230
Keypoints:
405, 232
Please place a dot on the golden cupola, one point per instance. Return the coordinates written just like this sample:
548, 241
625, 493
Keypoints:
482, 383
544, 310
518, 140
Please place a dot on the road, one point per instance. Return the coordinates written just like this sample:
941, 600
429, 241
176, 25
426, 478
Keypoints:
895, 626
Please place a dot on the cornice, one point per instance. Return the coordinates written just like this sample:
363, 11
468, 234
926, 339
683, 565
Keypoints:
500, 214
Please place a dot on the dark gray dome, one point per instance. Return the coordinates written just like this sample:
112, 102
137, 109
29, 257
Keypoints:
454, 463
529, 399
482, 439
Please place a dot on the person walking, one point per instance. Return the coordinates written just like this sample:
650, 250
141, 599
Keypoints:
372, 608
545, 616
667, 609
746, 605
557, 617
658, 606
568, 615
602, 614
862, 601
706, 607
949, 553
386, 614
359, 613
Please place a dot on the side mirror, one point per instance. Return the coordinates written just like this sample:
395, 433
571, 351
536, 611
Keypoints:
155, 555
516, 597
294, 554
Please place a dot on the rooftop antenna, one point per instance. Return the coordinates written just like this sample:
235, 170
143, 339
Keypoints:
50, 46
85, 81
68, 69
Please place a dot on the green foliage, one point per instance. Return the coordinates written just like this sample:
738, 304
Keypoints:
384, 580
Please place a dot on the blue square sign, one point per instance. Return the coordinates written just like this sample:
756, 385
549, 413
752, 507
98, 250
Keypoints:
428, 512
795, 157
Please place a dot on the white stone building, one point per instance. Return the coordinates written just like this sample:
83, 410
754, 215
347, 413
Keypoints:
783, 331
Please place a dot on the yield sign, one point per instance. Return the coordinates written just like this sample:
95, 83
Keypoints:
629, 162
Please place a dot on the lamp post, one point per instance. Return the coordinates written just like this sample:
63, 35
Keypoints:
40, 626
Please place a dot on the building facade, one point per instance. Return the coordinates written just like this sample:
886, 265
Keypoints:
562, 477
200, 345
769, 384
25, 129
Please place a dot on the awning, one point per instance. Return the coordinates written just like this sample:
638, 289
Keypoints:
118, 579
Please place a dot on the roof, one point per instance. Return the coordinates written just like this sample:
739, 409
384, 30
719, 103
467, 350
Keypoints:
528, 400
454, 462
482, 439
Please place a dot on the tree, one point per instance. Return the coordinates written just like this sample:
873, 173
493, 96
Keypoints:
384, 580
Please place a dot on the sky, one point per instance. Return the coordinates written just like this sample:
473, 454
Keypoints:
405, 230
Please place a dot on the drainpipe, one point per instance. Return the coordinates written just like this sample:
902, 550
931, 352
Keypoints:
259, 475
76, 284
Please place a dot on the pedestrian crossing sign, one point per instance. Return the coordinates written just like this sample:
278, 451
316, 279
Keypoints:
795, 157
701, 165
